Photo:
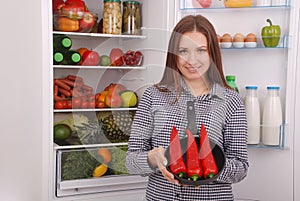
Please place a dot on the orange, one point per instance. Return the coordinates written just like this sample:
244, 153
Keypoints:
102, 96
105, 154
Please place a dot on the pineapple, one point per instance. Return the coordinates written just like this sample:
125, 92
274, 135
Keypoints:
117, 125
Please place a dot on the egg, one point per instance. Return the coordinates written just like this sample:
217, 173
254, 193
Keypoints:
250, 38
219, 38
226, 38
238, 37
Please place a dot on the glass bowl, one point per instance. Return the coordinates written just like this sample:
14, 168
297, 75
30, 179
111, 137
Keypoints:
74, 22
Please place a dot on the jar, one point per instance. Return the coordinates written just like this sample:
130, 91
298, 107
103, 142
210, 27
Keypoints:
112, 17
131, 17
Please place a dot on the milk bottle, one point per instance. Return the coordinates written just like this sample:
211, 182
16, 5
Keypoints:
253, 114
272, 117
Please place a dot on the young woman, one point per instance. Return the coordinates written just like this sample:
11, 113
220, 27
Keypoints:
193, 73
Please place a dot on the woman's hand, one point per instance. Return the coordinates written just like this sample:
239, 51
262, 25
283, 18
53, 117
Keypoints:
157, 159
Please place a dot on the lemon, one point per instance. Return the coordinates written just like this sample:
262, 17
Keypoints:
129, 98
100, 170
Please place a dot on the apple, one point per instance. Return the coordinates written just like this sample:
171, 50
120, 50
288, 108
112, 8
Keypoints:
115, 88
87, 22
90, 58
205, 3
129, 98
113, 100
104, 60
116, 57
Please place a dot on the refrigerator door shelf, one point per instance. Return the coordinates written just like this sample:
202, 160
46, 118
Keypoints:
75, 171
282, 139
100, 185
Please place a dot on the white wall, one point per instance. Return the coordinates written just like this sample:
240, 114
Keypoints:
21, 101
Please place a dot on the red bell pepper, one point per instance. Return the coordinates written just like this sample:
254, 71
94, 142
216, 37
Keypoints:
193, 165
57, 5
207, 159
177, 165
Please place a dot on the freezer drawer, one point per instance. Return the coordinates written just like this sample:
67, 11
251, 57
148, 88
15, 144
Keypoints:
94, 169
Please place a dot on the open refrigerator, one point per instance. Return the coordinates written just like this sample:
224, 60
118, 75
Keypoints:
269, 166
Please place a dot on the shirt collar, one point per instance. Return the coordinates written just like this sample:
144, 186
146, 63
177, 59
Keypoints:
217, 91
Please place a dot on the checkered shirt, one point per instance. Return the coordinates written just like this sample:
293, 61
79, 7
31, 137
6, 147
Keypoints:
223, 114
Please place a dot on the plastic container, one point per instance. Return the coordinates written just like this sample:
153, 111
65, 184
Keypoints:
253, 114
131, 17
272, 117
230, 80
112, 17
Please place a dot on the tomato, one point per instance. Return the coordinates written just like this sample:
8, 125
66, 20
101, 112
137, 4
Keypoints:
59, 105
76, 102
65, 104
85, 104
92, 104
69, 104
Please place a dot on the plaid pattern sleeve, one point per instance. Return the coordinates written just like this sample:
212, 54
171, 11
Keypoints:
222, 112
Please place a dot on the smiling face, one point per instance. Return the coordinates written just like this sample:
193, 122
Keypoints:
193, 57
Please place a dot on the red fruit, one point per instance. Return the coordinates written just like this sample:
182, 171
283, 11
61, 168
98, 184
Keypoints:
132, 58
90, 58
76, 102
113, 100
87, 22
205, 3
116, 57
115, 88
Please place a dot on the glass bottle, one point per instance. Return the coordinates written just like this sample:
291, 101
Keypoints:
131, 17
253, 114
58, 57
272, 117
61, 43
112, 17
71, 57
230, 80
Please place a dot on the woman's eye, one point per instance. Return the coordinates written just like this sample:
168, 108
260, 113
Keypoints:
201, 50
182, 52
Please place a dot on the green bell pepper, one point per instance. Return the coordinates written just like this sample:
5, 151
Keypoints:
271, 34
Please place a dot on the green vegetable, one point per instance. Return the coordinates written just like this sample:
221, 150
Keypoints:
271, 34
117, 164
78, 164
75, 120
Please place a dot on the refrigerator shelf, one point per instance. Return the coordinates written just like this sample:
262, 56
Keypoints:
187, 5
95, 110
100, 35
99, 67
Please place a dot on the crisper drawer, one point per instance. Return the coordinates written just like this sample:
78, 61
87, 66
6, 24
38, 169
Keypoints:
94, 169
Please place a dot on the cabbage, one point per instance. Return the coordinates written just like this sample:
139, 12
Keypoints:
75, 120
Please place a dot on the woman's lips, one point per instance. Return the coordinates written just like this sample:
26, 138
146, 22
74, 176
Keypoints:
193, 69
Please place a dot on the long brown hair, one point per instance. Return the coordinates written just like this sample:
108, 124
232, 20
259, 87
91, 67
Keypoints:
171, 77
